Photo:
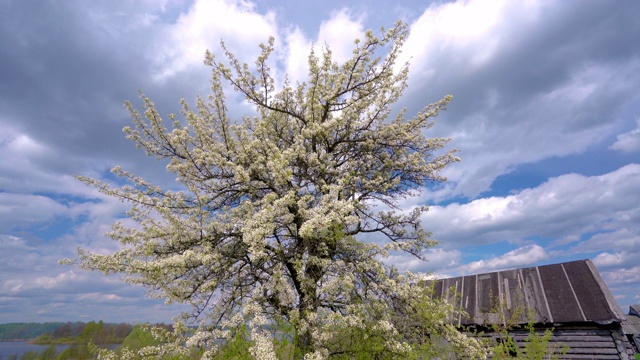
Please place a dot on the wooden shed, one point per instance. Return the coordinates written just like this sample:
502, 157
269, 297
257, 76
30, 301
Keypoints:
631, 327
570, 298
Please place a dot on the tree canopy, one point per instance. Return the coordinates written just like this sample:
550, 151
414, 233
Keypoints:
276, 214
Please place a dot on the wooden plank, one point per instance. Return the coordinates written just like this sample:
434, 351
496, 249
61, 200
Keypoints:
515, 307
576, 332
591, 297
585, 343
562, 302
565, 338
534, 296
594, 351
488, 293
487, 300
582, 332
451, 289
587, 356
577, 344
438, 288
461, 296
613, 304
451, 293
574, 293
469, 299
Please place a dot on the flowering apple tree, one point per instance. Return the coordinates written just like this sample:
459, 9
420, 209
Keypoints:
272, 221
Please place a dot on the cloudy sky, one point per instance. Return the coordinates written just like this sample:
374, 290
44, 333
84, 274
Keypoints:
546, 115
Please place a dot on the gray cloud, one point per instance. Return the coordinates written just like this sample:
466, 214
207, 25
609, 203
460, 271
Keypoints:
552, 80
35, 288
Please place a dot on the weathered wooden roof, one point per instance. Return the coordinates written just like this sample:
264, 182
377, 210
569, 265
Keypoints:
570, 292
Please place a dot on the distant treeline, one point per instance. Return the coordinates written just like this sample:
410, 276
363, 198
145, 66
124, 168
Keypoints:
26, 331
66, 333
83, 333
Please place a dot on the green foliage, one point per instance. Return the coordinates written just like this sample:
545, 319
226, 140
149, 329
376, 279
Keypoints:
93, 332
76, 352
50, 353
352, 343
537, 346
237, 347
148, 342
30, 355
139, 338
363, 343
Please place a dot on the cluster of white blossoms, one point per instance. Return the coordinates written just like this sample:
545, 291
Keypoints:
262, 347
269, 224
170, 345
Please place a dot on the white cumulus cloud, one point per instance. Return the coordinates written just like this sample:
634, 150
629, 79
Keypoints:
628, 142
521, 257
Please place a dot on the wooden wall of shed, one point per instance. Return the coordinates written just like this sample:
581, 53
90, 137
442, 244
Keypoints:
579, 343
